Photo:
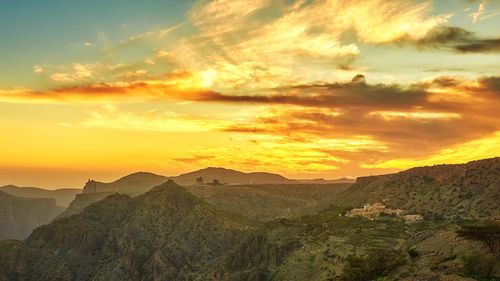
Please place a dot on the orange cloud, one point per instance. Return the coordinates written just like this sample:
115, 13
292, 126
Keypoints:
427, 116
177, 84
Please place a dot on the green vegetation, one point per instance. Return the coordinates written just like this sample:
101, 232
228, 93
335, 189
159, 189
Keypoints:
487, 233
413, 253
480, 267
377, 263
170, 234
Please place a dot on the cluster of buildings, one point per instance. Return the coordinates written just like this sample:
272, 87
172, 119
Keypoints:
371, 211
214, 182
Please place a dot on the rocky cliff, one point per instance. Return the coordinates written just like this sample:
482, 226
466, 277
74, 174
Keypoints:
19, 216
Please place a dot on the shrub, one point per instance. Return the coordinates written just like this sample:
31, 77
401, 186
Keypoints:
479, 266
450, 257
488, 233
413, 253
377, 263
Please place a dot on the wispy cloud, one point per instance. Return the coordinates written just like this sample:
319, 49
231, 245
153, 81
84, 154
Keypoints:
111, 117
481, 13
293, 63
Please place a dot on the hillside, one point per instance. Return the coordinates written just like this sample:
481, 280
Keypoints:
259, 202
269, 201
19, 216
133, 184
327, 246
82, 201
62, 196
470, 190
172, 235
229, 176
165, 234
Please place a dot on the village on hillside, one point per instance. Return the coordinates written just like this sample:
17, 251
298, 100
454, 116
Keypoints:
372, 211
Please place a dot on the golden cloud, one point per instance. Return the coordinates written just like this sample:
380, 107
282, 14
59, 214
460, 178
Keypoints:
110, 117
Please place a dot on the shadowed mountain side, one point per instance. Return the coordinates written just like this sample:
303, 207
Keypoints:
470, 190
164, 234
19, 216
81, 202
268, 201
62, 196
258, 202
134, 184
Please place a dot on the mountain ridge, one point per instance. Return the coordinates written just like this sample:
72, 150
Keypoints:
63, 196
470, 189
139, 182
165, 234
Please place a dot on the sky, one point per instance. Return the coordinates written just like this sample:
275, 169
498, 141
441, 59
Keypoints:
308, 89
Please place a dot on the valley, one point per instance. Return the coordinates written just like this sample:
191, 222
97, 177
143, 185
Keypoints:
270, 231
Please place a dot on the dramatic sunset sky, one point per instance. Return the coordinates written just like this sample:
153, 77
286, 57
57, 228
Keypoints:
338, 88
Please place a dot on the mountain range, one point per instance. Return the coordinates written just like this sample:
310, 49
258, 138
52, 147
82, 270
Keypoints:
62, 196
140, 182
263, 189
164, 234
169, 233
147, 227
260, 202
260, 196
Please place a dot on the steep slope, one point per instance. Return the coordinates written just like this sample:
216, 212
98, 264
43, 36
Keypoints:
82, 201
62, 196
165, 234
19, 216
470, 190
93, 191
230, 177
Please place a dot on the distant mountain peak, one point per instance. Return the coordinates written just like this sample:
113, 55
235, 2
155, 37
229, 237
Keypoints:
9, 186
141, 174
217, 169
169, 187
169, 184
